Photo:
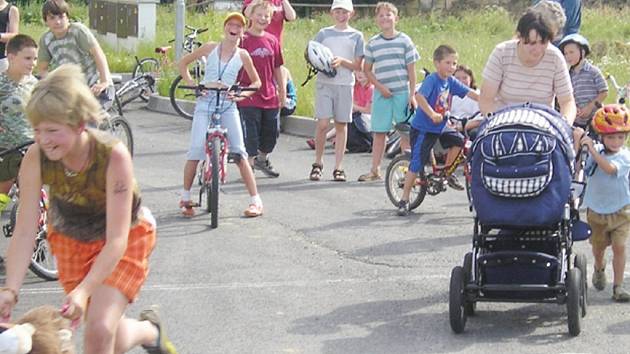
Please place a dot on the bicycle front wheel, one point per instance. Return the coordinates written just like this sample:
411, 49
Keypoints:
182, 100
43, 263
395, 181
119, 128
213, 199
147, 66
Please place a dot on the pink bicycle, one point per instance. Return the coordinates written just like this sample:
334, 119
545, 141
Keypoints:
213, 169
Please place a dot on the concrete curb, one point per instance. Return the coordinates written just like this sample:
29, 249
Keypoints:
293, 125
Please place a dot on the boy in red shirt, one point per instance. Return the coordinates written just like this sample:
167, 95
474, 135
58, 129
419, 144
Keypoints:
260, 112
282, 11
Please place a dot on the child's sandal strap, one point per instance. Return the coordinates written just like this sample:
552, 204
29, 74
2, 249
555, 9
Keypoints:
316, 172
339, 175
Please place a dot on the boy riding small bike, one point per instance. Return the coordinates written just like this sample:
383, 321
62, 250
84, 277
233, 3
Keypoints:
428, 125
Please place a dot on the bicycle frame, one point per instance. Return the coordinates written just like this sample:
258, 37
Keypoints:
216, 130
437, 180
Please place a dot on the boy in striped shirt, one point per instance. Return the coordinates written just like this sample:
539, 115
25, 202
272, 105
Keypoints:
589, 86
390, 58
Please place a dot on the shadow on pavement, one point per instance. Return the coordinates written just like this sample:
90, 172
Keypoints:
396, 326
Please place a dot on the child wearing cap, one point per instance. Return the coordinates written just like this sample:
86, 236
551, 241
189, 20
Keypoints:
224, 61
333, 96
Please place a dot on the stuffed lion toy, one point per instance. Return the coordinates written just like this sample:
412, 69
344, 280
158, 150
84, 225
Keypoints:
41, 330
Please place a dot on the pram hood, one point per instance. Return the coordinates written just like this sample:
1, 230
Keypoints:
535, 116
522, 163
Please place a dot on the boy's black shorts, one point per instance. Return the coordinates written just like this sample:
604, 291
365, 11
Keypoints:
422, 143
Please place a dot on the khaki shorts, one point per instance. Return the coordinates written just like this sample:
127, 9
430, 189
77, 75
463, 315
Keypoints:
609, 228
10, 166
334, 101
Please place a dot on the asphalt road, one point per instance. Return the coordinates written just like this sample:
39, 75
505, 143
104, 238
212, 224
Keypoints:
329, 268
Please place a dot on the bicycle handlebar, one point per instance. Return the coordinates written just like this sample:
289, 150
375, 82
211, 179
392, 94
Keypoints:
192, 35
234, 88
15, 149
196, 30
612, 79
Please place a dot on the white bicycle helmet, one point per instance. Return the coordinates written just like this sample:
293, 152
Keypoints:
319, 59
577, 39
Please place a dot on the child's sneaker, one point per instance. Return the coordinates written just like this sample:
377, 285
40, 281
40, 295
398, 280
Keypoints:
599, 279
620, 294
453, 182
163, 345
187, 208
403, 208
253, 210
265, 167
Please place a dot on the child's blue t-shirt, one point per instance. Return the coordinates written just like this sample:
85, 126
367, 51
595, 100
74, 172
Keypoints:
607, 194
438, 93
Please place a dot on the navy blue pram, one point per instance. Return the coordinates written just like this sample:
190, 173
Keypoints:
526, 217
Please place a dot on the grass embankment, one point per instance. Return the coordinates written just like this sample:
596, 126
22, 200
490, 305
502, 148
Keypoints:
474, 34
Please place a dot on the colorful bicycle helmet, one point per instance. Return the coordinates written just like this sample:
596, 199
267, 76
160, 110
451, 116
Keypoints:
319, 59
611, 118
577, 39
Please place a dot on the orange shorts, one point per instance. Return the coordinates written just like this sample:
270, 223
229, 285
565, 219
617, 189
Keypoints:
75, 258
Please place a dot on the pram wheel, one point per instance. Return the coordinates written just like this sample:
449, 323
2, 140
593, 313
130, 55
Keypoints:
574, 295
581, 264
457, 300
469, 306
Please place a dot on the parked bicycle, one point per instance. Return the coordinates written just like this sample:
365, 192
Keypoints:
141, 85
212, 170
433, 183
114, 122
153, 67
43, 263
623, 92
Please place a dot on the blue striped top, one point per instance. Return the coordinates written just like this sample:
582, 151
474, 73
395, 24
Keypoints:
390, 57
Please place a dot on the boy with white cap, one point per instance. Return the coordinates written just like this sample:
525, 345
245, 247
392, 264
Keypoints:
333, 97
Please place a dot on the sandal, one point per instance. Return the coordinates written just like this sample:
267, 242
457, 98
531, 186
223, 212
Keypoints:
187, 208
339, 176
316, 172
370, 176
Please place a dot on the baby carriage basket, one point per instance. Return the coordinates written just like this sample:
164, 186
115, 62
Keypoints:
526, 218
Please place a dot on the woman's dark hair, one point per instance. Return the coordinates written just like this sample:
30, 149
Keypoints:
469, 72
537, 21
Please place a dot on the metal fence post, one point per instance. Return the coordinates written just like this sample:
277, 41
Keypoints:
180, 21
